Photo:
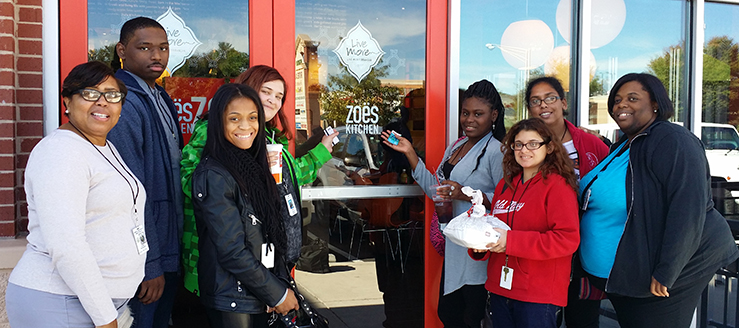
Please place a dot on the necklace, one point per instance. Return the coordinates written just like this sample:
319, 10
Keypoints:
134, 195
563, 134
458, 154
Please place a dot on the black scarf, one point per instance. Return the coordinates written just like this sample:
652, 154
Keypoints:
259, 186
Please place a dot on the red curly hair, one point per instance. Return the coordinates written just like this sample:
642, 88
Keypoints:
557, 160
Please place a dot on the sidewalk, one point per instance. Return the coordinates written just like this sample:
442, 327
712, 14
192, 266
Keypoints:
347, 296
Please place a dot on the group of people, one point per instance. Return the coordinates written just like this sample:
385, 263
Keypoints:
634, 223
107, 223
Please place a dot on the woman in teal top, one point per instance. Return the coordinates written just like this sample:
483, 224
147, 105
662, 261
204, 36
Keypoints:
603, 194
272, 91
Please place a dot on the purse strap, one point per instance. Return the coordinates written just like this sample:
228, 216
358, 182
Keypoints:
289, 321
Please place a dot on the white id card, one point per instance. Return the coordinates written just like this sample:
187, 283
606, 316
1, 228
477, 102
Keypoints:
268, 256
291, 209
506, 277
139, 236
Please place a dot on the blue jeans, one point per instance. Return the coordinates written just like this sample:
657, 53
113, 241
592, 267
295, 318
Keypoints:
156, 315
509, 313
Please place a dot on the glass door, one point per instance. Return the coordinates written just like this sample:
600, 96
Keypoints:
362, 70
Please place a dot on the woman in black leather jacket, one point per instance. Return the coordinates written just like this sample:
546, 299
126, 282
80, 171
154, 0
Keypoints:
242, 240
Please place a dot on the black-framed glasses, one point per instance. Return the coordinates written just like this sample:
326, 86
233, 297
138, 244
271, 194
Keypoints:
531, 145
93, 95
548, 100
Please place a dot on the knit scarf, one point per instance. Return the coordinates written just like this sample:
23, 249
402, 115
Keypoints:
259, 186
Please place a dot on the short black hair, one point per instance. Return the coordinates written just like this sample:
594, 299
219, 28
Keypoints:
88, 75
132, 25
553, 82
653, 86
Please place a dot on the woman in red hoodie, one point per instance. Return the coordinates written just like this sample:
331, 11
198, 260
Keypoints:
529, 266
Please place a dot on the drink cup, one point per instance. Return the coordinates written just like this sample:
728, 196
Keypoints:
274, 153
442, 205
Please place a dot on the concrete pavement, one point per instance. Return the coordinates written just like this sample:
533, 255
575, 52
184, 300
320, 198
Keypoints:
348, 296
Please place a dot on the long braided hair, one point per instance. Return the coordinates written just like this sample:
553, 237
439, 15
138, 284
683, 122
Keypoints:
486, 91
249, 167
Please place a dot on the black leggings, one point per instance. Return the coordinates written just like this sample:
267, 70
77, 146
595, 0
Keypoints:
465, 307
675, 311
222, 319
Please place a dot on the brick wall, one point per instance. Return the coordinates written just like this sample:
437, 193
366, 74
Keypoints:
21, 111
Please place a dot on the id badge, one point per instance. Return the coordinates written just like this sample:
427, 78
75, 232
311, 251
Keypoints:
585, 200
268, 255
291, 209
506, 277
139, 236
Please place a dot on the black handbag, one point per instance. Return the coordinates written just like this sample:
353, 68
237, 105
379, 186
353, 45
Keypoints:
305, 317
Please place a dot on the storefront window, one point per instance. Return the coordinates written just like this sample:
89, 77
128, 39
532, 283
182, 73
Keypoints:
361, 70
720, 106
625, 38
209, 45
511, 42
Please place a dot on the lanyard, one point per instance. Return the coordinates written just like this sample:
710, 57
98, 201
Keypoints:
134, 195
526, 186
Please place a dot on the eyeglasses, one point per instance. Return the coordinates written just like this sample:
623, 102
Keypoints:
93, 95
548, 100
531, 145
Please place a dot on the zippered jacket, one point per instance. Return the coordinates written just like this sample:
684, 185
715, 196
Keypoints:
673, 233
590, 149
231, 276
140, 139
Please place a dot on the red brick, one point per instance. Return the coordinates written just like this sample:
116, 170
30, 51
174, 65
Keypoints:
29, 96
7, 180
29, 129
21, 160
7, 112
30, 80
30, 47
29, 15
7, 26
27, 144
7, 229
29, 2
7, 78
7, 9
7, 43
6, 162
31, 113
7, 146
7, 196
29, 64
7, 61
26, 30
7, 131
7, 96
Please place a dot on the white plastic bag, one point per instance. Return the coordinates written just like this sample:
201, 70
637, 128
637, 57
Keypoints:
474, 228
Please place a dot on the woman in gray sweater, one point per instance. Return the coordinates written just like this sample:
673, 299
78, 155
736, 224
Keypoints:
475, 161
86, 242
